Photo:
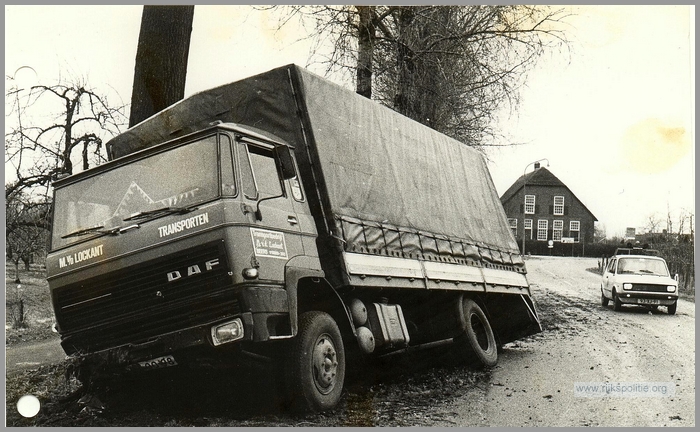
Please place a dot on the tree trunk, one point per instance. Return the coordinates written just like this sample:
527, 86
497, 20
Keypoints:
161, 60
404, 64
16, 262
365, 51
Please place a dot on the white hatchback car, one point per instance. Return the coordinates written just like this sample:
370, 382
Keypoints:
639, 280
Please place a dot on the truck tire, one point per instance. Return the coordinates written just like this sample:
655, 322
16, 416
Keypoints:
315, 370
477, 345
672, 308
617, 304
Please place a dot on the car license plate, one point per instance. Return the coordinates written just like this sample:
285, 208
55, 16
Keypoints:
649, 301
158, 362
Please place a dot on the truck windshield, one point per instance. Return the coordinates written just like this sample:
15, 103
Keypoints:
180, 177
642, 266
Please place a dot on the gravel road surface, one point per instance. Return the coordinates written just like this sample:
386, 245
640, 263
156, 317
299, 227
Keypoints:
532, 385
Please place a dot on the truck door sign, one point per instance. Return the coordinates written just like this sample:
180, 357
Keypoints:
84, 255
268, 243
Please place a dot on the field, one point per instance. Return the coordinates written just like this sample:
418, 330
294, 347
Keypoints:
28, 312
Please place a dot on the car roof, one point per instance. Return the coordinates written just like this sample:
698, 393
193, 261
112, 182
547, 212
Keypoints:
639, 256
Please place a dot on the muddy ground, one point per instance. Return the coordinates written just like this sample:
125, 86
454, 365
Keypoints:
531, 386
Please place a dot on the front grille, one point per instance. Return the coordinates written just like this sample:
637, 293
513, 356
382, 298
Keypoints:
135, 303
649, 287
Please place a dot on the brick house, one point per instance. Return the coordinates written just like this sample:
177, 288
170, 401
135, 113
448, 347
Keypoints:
543, 208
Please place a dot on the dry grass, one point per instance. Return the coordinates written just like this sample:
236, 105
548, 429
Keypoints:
36, 317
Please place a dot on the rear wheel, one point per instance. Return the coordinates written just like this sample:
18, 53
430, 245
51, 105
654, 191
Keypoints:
477, 345
672, 308
603, 300
617, 304
316, 366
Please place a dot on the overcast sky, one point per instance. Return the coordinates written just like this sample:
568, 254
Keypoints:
614, 116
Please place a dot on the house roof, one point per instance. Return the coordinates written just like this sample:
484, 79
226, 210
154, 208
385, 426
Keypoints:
539, 177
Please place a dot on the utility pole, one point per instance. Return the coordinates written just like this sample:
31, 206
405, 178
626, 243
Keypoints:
532, 227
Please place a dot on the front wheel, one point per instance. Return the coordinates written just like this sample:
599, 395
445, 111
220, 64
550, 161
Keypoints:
477, 344
617, 304
316, 366
672, 308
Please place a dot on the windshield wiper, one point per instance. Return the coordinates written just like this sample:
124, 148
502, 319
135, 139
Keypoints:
160, 212
92, 230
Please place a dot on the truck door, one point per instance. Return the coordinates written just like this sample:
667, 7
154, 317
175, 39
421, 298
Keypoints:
276, 237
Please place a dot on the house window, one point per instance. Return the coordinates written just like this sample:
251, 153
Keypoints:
574, 230
527, 226
557, 228
513, 223
529, 204
542, 226
558, 206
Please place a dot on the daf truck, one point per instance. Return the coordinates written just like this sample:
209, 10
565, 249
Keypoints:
284, 217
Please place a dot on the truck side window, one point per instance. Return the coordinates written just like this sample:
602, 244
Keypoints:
247, 180
228, 182
297, 194
259, 172
265, 171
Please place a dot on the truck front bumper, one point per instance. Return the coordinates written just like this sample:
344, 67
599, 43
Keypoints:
190, 339
265, 317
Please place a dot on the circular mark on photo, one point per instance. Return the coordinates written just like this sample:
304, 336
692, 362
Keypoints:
28, 406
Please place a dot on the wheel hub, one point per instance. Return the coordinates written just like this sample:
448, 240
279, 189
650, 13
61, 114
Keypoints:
325, 364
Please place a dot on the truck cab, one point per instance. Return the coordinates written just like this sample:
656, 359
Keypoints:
181, 246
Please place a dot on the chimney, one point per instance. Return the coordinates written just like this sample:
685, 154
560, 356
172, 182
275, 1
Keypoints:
537, 165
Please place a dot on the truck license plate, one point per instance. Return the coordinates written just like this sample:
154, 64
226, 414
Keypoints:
648, 301
158, 362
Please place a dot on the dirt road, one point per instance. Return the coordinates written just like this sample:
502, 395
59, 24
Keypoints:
33, 354
533, 384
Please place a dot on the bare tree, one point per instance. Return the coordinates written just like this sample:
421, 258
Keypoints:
653, 223
599, 233
449, 67
161, 59
52, 127
49, 130
26, 220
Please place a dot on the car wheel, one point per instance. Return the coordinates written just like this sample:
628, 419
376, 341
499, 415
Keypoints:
477, 344
617, 304
603, 300
316, 366
672, 308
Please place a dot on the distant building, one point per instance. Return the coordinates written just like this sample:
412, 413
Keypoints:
542, 208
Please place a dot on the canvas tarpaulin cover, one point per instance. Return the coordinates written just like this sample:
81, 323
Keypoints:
389, 185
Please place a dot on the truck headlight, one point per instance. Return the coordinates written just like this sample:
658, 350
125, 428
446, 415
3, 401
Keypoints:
227, 332
250, 273
627, 286
671, 288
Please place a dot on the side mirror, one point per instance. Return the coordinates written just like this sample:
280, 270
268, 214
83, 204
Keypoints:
676, 277
284, 158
